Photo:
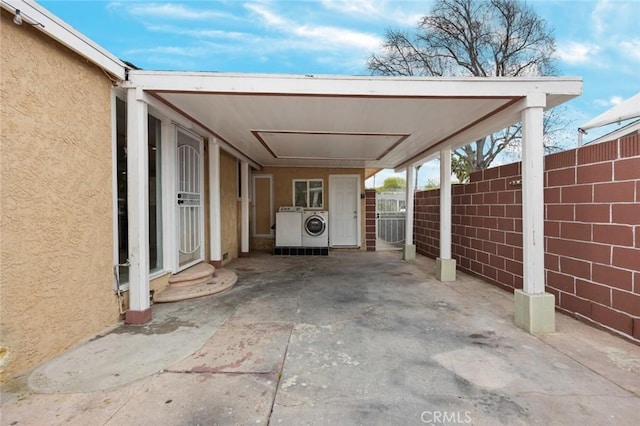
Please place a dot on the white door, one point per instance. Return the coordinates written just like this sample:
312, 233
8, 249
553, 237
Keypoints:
344, 210
189, 199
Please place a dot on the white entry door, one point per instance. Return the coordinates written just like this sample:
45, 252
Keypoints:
189, 199
344, 210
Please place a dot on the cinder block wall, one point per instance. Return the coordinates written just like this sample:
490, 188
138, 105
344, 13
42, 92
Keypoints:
370, 219
592, 230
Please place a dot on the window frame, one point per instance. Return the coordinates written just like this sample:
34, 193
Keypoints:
308, 193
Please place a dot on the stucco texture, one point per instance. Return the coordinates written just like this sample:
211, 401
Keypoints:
229, 206
56, 246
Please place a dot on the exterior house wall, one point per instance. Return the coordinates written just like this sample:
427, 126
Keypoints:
56, 248
282, 180
230, 206
592, 230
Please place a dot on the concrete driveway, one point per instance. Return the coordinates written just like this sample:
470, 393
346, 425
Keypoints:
352, 338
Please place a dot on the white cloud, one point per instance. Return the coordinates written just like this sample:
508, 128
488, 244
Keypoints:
355, 7
609, 102
390, 11
577, 53
599, 16
630, 48
169, 50
615, 100
198, 33
168, 10
328, 37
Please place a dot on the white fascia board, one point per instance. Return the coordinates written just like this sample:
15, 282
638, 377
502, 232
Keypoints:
335, 85
63, 33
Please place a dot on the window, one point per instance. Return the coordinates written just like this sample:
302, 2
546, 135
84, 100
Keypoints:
308, 193
155, 195
155, 192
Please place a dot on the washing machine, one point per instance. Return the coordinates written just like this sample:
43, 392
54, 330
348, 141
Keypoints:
315, 228
288, 223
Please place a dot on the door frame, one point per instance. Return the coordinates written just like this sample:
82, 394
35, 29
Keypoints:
176, 249
254, 206
332, 179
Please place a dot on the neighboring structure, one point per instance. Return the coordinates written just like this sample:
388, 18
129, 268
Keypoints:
625, 110
115, 178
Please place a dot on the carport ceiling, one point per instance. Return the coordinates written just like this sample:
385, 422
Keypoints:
342, 121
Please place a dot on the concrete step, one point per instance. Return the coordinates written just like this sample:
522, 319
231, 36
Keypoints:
222, 280
197, 274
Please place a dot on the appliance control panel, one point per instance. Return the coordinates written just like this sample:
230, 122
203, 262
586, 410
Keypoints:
292, 209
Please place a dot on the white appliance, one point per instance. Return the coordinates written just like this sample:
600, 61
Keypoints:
315, 228
288, 224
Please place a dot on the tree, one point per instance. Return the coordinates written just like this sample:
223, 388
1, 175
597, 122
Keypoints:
393, 184
480, 38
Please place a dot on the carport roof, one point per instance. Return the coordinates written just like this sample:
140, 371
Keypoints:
345, 121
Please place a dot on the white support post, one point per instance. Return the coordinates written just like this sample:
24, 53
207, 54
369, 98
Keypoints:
244, 226
138, 208
445, 265
534, 309
409, 247
215, 219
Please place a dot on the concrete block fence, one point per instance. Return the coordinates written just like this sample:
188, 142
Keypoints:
592, 230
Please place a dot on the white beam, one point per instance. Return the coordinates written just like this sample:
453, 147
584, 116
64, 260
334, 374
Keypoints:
279, 84
138, 206
445, 203
409, 208
244, 226
533, 195
215, 220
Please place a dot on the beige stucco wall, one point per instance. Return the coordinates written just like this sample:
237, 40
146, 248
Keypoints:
229, 205
282, 180
56, 248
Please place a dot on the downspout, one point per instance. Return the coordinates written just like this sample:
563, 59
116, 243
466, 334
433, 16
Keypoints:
580, 133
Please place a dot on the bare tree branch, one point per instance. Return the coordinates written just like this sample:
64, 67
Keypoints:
478, 38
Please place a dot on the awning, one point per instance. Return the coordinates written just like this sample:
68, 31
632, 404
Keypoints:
345, 121
625, 110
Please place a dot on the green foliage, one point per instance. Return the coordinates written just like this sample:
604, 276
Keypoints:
431, 184
393, 184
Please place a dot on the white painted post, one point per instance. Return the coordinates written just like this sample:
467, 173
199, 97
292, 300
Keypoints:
445, 265
533, 195
409, 207
409, 247
534, 309
215, 220
138, 208
445, 203
244, 226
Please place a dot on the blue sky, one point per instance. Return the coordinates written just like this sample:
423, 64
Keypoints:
598, 40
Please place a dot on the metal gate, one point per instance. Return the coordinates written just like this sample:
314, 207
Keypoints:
390, 221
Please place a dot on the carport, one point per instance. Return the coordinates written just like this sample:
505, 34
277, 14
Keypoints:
347, 121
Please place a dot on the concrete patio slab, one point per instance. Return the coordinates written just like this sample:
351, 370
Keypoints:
352, 338
241, 348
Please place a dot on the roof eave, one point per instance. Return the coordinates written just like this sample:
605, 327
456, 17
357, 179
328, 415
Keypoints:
66, 35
